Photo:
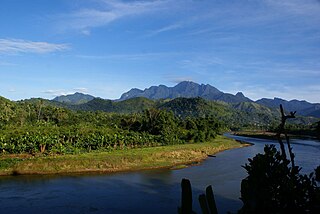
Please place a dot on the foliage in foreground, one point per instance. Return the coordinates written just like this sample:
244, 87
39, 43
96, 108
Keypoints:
273, 186
274, 183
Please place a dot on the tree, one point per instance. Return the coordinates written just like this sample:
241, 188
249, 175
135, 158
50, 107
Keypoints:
274, 183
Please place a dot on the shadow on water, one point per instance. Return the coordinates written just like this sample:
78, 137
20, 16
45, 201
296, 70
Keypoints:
122, 193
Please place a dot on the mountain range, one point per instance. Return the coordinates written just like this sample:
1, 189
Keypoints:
237, 115
188, 89
185, 89
302, 107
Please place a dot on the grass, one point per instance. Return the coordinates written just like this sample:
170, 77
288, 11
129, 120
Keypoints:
174, 156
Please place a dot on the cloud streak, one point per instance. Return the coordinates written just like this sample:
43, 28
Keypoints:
256, 92
298, 7
60, 92
12, 46
165, 29
133, 56
109, 11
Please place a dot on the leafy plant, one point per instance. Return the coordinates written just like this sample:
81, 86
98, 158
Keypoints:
274, 183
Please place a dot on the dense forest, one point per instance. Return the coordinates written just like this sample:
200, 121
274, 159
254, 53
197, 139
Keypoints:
36, 126
50, 127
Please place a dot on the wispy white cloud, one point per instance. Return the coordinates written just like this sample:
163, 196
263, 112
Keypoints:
286, 19
132, 56
298, 7
291, 93
284, 91
60, 92
165, 29
55, 92
86, 32
108, 11
201, 62
12, 90
81, 89
178, 79
12, 46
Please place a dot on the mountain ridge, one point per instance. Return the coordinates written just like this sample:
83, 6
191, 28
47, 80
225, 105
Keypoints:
189, 89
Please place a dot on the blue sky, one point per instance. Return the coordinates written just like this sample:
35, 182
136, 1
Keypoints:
264, 48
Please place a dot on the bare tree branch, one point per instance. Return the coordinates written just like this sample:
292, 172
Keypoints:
281, 130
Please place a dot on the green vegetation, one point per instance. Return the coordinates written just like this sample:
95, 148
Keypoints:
40, 127
113, 161
43, 126
40, 136
273, 186
35, 127
293, 130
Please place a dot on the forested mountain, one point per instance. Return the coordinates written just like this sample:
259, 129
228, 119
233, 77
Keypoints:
74, 99
127, 106
313, 111
188, 89
185, 89
236, 115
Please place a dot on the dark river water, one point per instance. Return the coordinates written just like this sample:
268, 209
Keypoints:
152, 191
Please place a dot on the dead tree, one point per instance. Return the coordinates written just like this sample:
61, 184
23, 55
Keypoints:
281, 130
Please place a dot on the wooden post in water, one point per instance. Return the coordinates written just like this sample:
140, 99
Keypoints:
186, 197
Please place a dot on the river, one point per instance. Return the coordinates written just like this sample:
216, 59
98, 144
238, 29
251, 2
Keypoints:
150, 191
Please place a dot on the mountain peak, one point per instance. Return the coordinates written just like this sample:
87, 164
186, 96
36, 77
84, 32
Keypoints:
74, 99
187, 89
240, 94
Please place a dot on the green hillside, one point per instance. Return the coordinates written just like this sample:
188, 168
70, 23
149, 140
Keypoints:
39, 125
233, 115
74, 99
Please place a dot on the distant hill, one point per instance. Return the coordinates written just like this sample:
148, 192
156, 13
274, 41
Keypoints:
74, 99
231, 114
302, 107
127, 106
196, 107
186, 89
235, 115
313, 111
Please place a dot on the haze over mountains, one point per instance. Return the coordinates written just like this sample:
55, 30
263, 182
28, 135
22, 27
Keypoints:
188, 89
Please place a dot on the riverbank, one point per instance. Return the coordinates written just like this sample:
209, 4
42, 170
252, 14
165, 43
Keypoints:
269, 135
175, 156
257, 134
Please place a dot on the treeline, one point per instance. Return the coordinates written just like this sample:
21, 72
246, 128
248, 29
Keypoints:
37, 127
300, 129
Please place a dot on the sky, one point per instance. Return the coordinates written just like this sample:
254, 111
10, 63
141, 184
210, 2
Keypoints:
263, 48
